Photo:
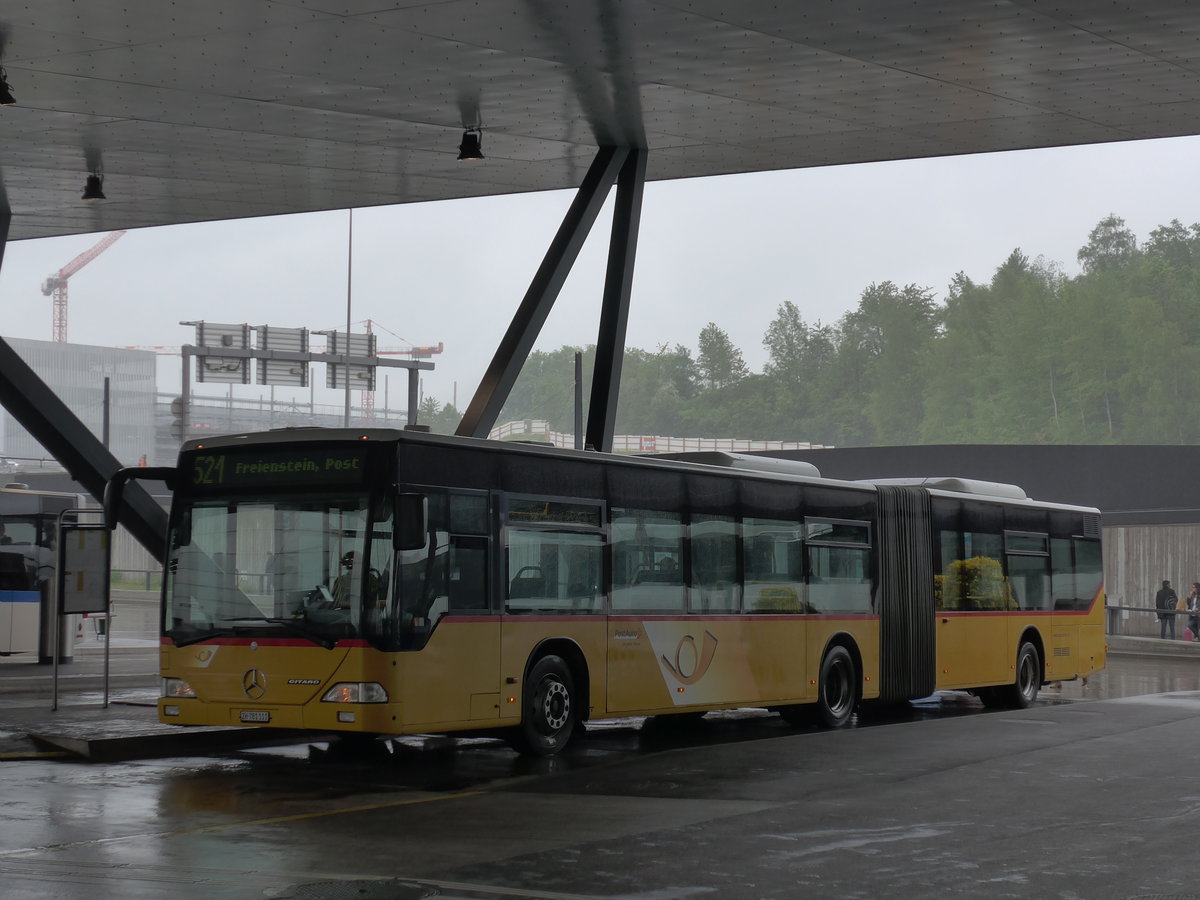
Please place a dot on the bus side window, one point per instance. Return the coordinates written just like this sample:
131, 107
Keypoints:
647, 546
554, 570
715, 584
468, 573
774, 566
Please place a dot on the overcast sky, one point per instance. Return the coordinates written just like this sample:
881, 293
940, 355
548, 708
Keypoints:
727, 250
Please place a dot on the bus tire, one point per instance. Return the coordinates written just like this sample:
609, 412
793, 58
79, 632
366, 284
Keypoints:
837, 689
548, 708
1022, 693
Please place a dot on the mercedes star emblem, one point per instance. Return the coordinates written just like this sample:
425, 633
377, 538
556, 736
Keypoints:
254, 684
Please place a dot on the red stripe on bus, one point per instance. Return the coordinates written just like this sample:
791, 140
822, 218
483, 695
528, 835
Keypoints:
749, 617
264, 642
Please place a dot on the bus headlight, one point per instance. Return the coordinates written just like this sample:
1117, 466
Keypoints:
177, 688
356, 692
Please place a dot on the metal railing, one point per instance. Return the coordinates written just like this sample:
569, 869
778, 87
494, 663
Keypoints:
1143, 621
539, 429
136, 579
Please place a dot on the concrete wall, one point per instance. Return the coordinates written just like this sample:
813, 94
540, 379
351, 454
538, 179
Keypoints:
1138, 558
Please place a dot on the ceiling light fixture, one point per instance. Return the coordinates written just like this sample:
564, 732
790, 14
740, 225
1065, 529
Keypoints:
94, 189
6, 97
471, 147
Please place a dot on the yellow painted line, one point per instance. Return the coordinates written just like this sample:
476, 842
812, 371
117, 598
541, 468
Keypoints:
299, 817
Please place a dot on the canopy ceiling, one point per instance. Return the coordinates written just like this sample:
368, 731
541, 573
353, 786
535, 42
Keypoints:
229, 108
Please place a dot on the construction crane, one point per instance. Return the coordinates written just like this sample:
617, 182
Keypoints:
413, 352
56, 285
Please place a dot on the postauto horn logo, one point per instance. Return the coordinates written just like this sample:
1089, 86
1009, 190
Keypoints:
690, 664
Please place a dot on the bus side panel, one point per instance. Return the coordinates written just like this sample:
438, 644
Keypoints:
455, 678
1062, 650
662, 665
1087, 644
665, 664
976, 648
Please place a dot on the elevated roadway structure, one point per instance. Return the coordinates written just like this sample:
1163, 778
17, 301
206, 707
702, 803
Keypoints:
231, 108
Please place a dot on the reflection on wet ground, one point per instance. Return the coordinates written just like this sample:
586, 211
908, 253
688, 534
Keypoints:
444, 763
258, 822
441, 763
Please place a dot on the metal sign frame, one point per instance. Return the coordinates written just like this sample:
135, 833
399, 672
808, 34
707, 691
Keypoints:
89, 595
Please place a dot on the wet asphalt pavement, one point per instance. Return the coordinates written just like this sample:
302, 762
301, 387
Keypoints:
1075, 798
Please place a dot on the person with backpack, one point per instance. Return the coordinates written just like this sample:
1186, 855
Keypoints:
1166, 599
1193, 605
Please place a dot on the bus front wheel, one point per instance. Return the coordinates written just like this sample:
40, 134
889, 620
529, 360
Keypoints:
548, 708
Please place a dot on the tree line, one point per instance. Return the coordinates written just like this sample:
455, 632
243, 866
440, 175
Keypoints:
1033, 356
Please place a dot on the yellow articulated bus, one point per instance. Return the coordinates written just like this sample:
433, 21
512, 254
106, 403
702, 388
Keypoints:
386, 582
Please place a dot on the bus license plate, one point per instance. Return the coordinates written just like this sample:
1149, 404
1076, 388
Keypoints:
255, 715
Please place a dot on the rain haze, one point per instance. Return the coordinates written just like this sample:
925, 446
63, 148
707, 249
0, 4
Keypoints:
727, 250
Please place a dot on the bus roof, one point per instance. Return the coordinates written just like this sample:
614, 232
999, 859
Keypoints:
753, 465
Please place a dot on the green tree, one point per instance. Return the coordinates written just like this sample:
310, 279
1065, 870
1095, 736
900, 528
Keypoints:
800, 359
1110, 246
719, 362
442, 418
890, 333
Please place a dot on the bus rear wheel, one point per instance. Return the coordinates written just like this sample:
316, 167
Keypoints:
1023, 691
548, 709
837, 691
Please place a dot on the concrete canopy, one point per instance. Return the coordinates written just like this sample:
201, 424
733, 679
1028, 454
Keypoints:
230, 108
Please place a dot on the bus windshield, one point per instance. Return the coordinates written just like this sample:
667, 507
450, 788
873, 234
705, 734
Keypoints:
288, 566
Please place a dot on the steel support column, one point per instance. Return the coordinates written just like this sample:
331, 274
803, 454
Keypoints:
31, 402
614, 314
414, 396
514, 347
5, 219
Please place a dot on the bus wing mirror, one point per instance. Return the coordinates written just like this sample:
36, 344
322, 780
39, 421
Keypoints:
412, 521
114, 489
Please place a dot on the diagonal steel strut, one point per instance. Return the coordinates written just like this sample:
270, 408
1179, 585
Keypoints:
514, 347
31, 402
614, 314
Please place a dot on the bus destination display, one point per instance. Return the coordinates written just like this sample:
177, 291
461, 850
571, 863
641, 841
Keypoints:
312, 467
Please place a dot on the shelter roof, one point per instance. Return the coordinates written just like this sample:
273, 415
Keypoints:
234, 108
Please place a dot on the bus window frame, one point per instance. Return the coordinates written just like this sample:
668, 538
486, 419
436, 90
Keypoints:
492, 597
826, 520
1043, 535
506, 527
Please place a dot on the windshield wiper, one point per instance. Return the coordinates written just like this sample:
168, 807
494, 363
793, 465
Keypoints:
195, 639
290, 625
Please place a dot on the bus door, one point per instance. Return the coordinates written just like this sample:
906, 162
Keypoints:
1028, 568
452, 673
972, 616
1076, 581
